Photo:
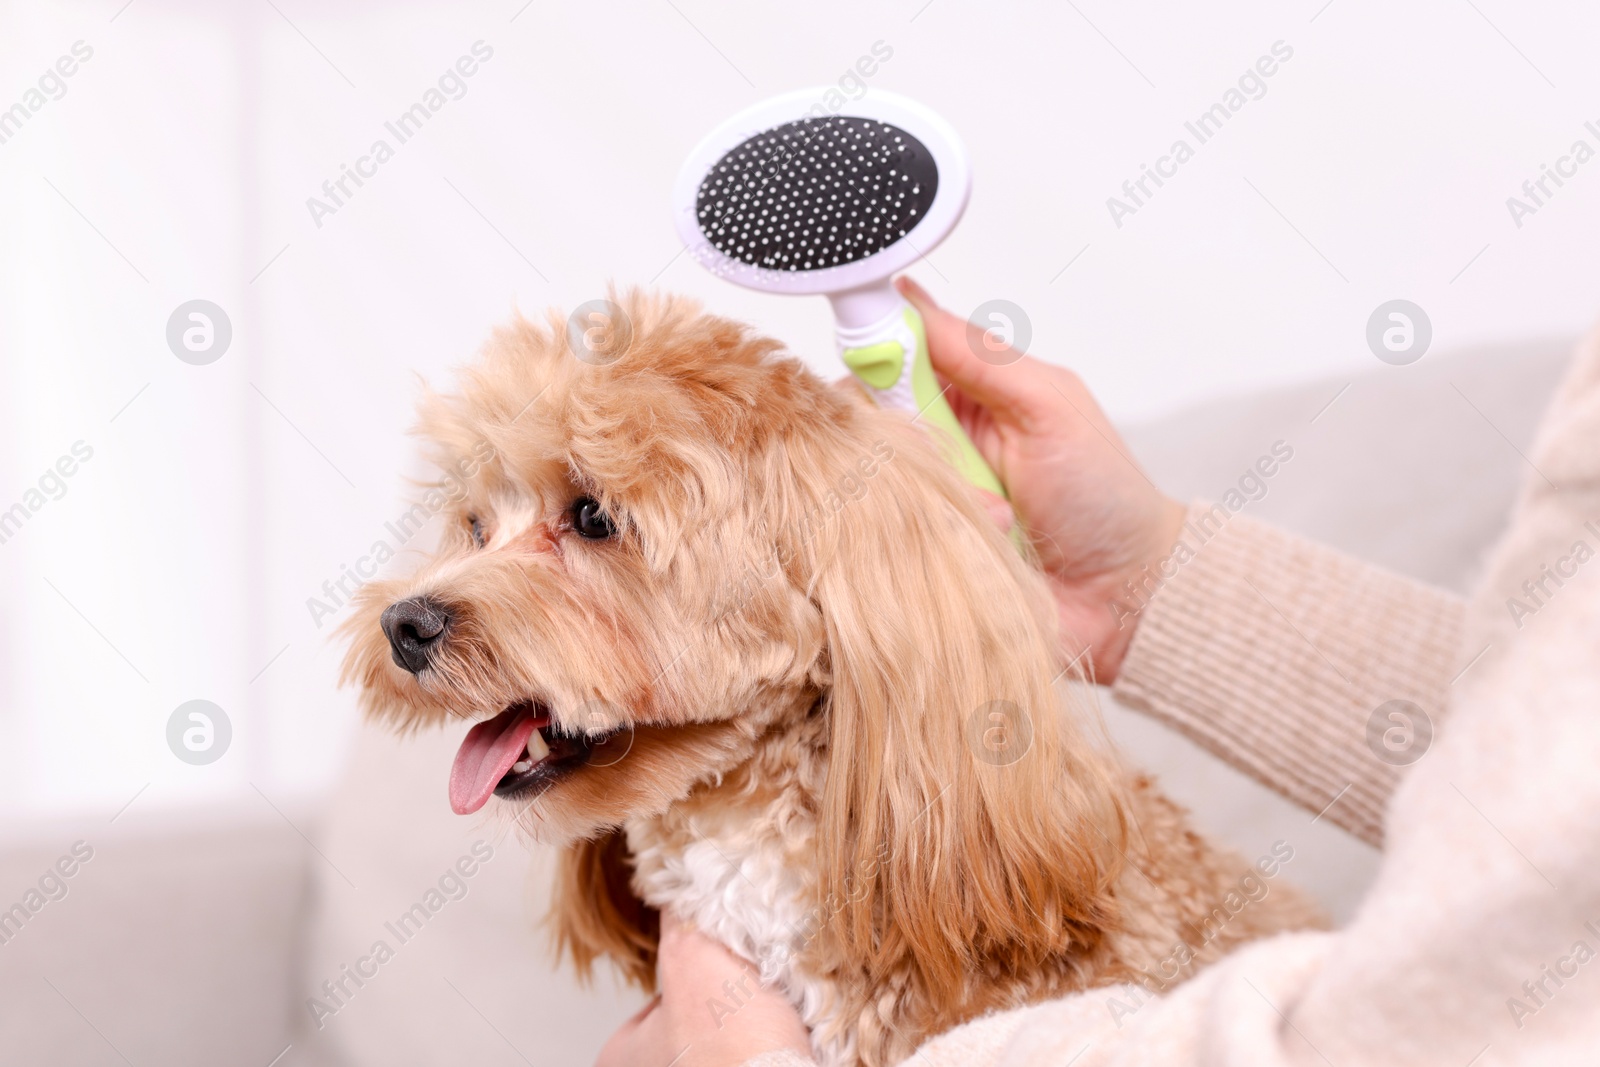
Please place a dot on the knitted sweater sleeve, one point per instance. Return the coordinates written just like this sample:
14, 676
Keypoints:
1303, 667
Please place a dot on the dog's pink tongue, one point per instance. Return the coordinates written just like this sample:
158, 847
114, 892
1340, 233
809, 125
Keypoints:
486, 754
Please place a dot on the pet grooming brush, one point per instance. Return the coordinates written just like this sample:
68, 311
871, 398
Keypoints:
790, 200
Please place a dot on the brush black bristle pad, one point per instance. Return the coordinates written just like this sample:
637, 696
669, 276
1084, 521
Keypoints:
816, 193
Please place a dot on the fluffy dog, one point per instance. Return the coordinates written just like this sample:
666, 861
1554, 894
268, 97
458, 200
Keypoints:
746, 647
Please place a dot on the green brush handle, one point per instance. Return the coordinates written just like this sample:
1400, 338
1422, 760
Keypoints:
891, 360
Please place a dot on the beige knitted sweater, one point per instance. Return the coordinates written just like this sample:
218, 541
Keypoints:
1479, 943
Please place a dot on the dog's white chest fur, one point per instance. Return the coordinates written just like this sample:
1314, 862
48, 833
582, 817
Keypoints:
744, 878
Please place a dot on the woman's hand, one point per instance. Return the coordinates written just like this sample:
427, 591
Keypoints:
712, 1010
1094, 517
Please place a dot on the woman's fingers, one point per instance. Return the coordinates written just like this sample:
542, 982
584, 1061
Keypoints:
622, 1050
998, 508
1006, 383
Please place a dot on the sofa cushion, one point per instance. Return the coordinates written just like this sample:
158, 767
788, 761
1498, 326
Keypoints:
172, 944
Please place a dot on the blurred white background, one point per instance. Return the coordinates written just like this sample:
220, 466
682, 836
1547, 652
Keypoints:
176, 164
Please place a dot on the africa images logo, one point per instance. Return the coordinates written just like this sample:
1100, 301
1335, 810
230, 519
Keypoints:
451, 85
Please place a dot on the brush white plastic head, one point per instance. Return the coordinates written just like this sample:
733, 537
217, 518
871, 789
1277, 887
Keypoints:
788, 197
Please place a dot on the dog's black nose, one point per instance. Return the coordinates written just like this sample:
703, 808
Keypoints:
414, 628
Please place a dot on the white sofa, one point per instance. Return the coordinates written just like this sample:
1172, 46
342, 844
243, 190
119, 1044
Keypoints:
199, 942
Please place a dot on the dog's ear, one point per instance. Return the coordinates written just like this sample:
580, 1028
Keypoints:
594, 912
966, 817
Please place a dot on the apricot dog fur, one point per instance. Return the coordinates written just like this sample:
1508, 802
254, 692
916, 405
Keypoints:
804, 692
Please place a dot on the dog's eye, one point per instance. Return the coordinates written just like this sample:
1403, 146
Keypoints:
590, 521
478, 537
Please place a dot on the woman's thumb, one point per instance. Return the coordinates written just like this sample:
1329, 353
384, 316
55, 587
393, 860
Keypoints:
1003, 380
